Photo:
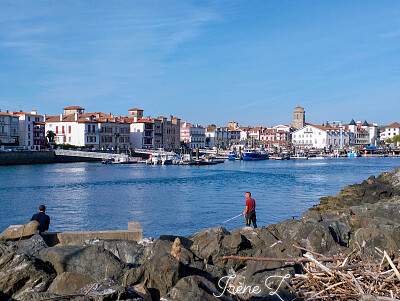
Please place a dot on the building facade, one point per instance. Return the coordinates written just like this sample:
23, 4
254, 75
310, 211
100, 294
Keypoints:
390, 131
193, 135
9, 129
31, 130
321, 137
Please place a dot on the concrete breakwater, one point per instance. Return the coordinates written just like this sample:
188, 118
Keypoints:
189, 268
53, 156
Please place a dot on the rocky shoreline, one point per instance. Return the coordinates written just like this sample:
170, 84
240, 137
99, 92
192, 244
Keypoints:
363, 215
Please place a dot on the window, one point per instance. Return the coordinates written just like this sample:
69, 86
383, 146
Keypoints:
56, 129
69, 131
63, 129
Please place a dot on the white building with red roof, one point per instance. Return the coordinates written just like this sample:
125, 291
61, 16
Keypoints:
31, 130
320, 137
97, 130
390, 131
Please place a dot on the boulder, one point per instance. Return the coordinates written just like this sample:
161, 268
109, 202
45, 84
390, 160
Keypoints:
91, 261
164, 245
142, 291
214, 243
125, 250
69, 283
188, 289
17, 232
384, 239
22, 276
31, 246
160, 274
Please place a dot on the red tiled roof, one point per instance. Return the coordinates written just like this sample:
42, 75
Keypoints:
23, 113
394, 125
298, 107
74, 108
135, 109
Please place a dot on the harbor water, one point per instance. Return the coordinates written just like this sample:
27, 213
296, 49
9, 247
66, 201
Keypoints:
177, 200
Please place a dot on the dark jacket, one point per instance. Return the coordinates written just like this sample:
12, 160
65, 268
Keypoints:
43, 219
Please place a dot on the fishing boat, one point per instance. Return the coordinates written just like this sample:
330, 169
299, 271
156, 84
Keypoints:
167, 159
233, 156
205, 162
253, 155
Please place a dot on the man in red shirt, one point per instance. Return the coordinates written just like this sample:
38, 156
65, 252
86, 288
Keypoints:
250, 211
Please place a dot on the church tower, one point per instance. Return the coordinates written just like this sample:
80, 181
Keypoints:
299, 117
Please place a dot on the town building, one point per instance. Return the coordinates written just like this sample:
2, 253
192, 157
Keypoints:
9, 129
217, 136
193, 135
365, 134
96, 130
299, 118
31, 130
390, 131
321, 137
254, 134
170, 132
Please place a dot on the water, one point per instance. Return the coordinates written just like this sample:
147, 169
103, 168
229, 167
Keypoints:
176, 200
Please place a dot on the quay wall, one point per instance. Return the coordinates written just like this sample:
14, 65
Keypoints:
40, 157
27, 157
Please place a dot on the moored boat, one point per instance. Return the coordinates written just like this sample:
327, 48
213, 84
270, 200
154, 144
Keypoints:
253, 155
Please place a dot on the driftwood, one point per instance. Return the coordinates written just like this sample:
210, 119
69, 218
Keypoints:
350, 278
297, 259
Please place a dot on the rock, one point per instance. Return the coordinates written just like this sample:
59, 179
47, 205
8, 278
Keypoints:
17, 232
160, 274
69, 283
374, 190
188, 289
92, 261
164, 245
126, 250
390, 211
214, 243
311, 235
176, 248
142, 291
22, 276
340, 232
259, 237
31, 246
384, 239
312, 215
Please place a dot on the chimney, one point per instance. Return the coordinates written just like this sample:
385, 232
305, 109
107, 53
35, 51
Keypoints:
44, 117
135, 118
34, 112
115, 119
111, 115
97, 115
76, 116
170, 117
61, 117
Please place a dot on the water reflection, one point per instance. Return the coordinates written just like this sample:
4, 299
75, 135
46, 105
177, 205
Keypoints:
174, 199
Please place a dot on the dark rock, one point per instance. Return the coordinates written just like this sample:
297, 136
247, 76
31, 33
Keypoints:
22, 276
259, 237
312, 215
160, 274
385, 239
31, 246
187, 288
69, 283
18, 232
340, 231
91, 261
214, 243
164, 245
126, 250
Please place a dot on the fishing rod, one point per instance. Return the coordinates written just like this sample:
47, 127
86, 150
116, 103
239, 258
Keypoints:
232, 218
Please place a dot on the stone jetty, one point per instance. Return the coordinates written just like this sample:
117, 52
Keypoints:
363, 215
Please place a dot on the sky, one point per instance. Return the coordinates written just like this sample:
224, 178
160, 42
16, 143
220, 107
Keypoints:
204, 61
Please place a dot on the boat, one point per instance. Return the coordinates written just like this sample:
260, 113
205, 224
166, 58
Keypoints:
353, 153
253, 155
233, 156
167, 159
205, 162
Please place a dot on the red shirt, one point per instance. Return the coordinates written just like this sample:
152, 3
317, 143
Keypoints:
251, 204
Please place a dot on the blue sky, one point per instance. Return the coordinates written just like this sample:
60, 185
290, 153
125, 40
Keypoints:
204, 61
